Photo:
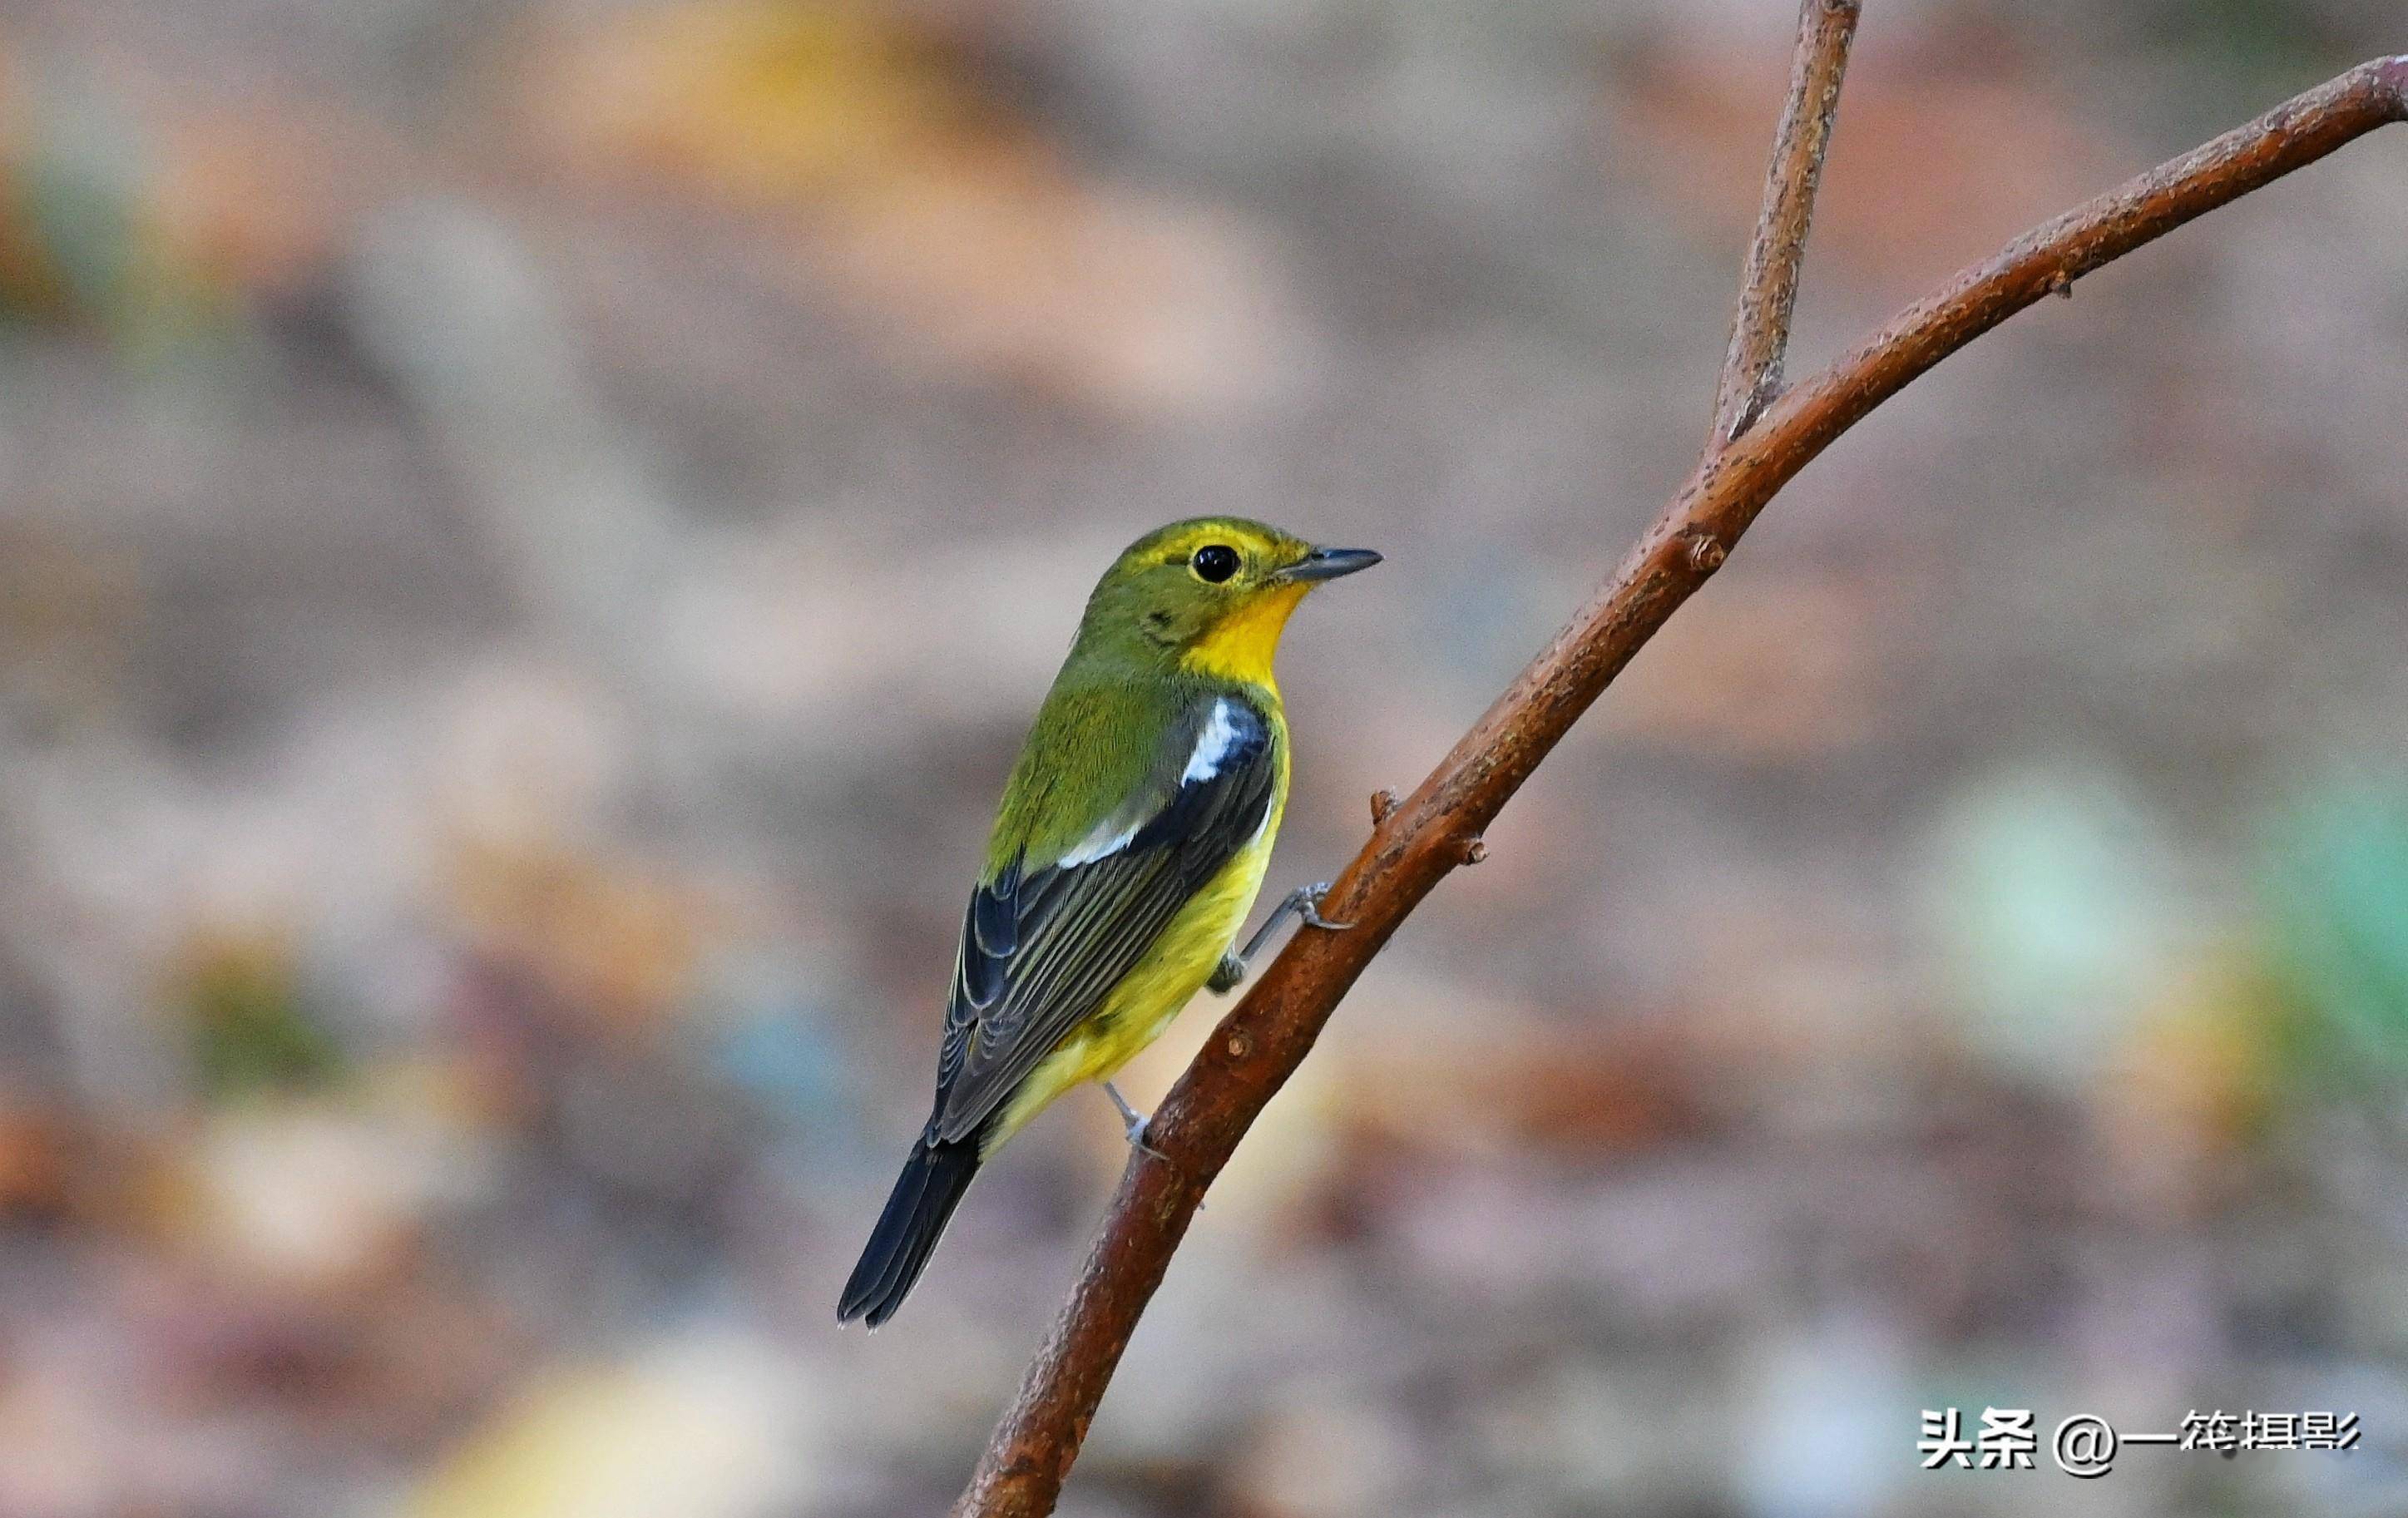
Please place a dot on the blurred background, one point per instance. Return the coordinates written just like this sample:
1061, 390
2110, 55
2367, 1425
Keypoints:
530, 530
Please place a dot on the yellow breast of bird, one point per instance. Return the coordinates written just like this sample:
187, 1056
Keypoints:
1143, 1002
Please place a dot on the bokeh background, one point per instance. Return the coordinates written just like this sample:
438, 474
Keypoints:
530, 529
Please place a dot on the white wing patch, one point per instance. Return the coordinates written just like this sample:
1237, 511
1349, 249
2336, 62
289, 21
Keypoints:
1220, 735
1212, 746
1103, 840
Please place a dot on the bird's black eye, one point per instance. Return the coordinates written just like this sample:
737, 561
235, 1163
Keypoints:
1214, 563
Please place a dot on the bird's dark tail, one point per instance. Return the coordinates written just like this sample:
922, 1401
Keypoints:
933, 1181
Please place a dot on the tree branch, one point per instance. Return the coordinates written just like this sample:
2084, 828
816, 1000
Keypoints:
1416, 842
1767, 293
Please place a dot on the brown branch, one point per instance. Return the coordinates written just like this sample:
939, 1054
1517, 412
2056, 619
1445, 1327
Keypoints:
1768, 291
1260, 1043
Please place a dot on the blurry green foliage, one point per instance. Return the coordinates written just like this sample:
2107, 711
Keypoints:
250, 1029
88, 223
2263, 44
2053, 900
82, 238
2337, 893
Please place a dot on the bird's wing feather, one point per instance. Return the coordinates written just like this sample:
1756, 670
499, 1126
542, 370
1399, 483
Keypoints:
1043, 946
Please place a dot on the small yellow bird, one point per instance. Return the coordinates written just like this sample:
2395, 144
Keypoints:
1128, 849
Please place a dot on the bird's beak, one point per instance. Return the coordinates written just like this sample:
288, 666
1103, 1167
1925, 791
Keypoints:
1329, 562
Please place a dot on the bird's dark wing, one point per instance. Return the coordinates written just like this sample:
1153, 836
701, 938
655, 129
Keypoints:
1042, 947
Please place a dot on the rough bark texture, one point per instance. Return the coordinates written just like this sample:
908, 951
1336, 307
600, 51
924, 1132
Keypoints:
1768, 291
1762, 437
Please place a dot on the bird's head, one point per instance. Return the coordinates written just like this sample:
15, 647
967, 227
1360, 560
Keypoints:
1211, 594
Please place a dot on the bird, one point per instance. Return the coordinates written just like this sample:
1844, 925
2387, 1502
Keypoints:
1126, 854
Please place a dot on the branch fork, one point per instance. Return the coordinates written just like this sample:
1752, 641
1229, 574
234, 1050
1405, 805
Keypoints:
1762, 434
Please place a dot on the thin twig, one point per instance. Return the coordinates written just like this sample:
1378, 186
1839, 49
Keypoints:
1260, 1043
1768, 291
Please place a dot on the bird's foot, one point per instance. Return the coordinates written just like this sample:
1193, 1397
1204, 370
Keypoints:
1133, 1123
1304, 904
1305, 901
